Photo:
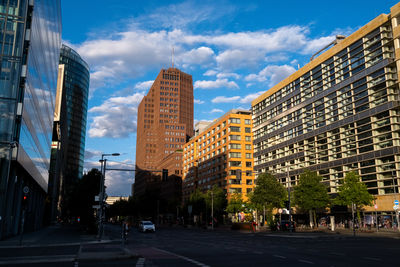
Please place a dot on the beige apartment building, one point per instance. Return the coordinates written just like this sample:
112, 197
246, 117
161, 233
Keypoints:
217, 152
338, 113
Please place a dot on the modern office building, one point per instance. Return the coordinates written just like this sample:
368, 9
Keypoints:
338, 113
30, 45
217, 153
76, 87
69, 130
164, 124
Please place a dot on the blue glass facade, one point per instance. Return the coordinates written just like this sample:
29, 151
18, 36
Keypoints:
76, 87
30, 41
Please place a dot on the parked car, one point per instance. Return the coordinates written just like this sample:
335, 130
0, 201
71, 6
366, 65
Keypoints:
146, 226
287, 225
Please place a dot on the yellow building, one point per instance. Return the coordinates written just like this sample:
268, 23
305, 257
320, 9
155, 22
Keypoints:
218, 153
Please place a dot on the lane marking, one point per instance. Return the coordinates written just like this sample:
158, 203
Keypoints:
374, 259
279, 256
304, 261
140, 262
184, 258
37, 259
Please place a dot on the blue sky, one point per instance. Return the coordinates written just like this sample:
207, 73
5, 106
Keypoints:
235, 50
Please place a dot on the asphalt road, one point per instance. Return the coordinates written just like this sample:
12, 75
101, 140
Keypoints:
194, 247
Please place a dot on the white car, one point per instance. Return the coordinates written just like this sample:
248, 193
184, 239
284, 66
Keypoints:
145, 226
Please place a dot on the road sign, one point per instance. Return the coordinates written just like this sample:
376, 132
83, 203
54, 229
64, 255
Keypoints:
96, 206
96, 198
396, 207
396, 202
25, 190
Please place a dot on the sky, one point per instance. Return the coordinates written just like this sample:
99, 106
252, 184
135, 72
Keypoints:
235, 50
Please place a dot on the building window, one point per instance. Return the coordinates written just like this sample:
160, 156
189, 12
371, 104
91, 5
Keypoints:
247, 130
247, 121
235, 129
235, 155
248, 155
234, 137
248, 138
248, 147
235, 146
234, 120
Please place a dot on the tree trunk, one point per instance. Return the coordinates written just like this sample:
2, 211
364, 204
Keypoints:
315, 218
311, 218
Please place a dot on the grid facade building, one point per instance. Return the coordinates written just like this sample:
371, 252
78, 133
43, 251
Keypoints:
164, 124
217, 153
339, 113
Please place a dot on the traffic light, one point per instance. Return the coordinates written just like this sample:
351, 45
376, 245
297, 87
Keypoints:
239, 175
165, 174
25, 200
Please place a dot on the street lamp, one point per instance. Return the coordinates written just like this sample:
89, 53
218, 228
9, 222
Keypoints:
101, 191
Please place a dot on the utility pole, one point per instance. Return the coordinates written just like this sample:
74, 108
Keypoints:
354, 223
289, 200
212, 210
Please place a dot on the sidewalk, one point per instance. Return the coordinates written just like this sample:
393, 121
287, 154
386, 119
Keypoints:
60, 243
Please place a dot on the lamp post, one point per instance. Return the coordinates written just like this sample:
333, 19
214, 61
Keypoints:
101, 191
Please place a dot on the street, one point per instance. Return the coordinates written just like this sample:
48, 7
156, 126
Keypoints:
190, 247
178, 246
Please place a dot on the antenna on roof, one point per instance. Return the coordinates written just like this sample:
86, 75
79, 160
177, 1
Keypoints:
172, 57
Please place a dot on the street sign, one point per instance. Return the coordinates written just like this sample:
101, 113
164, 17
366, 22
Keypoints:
396, 207
396, 202
96, 198
25, 190
96, 206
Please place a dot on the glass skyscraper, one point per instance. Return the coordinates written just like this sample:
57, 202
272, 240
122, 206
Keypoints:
76, 86
30, 44
68, 146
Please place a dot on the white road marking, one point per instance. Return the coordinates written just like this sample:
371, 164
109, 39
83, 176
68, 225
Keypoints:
279, 256
184, 258
309, 262
140, 262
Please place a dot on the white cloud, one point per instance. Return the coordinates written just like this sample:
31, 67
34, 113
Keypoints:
216, 110
219, 83
210, 73
116, 117
198, 101
272, 73
144, 85
239, 58
239, 99
315, 45
201, 56
250, 97
224, 99
228, 75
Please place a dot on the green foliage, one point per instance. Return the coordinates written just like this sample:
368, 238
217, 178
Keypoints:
197, 201
268, 192
235, 203
310, 193
219, 200
353, 191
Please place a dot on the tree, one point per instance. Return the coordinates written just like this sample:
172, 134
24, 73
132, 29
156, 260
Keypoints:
218, 199
353, 192
235, 203
197, 201
268, 193
83, 198
310, 194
